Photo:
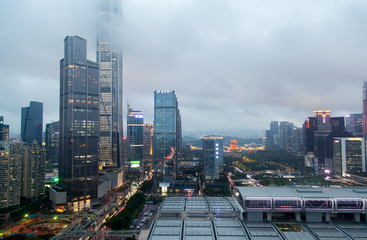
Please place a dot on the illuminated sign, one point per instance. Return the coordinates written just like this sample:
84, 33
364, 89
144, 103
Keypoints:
135, 164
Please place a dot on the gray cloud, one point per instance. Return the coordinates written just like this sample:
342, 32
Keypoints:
235, 65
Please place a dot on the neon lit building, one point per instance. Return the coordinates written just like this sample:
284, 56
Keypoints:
109, 57
31, 124
167, 137
135, 125
79, 124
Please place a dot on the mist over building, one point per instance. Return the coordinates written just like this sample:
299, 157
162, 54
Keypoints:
109, 58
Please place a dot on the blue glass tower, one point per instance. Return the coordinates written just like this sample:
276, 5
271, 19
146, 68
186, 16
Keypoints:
167, 136
213, 156
31, 124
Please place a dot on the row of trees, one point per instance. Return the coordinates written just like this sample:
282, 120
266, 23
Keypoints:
125, 217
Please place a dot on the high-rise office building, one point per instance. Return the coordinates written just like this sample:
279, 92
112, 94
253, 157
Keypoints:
33, 171
349, 155
212, 156
319, 132
31, 124
11, 158
4, 130
135, 125
79, 124
109, 57
272, 136
167, 135
354, 124
148, 131
52, 138
285, 135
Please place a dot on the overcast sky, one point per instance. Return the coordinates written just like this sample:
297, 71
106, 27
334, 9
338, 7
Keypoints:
235, 65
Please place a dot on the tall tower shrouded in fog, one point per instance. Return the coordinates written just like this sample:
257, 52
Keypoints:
109, 57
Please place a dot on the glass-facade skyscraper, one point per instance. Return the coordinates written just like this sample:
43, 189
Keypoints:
213, 156
135, 137
31, 123
167, 137
109, 57
52, 142
79, 124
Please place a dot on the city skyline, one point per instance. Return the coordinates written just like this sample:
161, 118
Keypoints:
235, 65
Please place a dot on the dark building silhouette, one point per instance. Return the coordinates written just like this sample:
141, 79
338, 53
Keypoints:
31, 124
52, 137
354, 124
79, 124
319, 132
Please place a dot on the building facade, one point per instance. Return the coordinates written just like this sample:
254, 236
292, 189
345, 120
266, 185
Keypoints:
32, 122
349, 155
79, 124
11, 158
285, 135
167, 137
52, 137
135, 138
33, 171
212, 156
354, 124
109, 57
4, 130
148, 132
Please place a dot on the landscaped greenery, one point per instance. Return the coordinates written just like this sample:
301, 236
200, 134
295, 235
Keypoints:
124, 218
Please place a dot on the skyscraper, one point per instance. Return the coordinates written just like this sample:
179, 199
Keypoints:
285, 135
213, 156
167, 134
349, 155
52, 142
33, 171
11, 157
31, 124
4, 130
109, 57
135, 124
79, 124
354, 123
148, 131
